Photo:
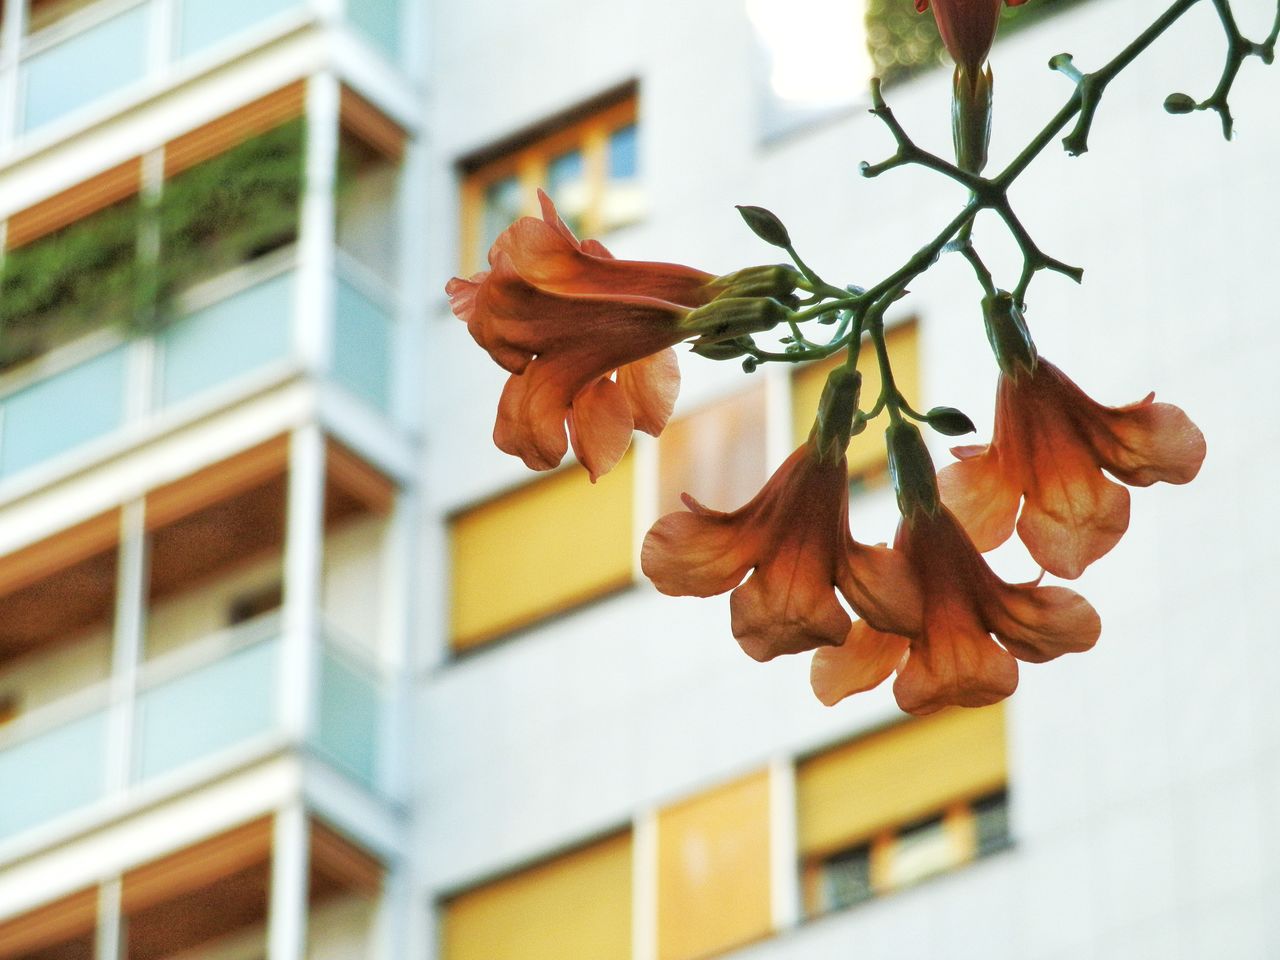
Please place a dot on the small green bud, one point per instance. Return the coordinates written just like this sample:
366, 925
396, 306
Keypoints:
971, 118
765, 225
1008, 335
775, 280
749, 365
836, 410
722, 349
911, 469
949, 421
1179, 103
727, 318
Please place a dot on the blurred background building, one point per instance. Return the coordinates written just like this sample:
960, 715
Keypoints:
294, 663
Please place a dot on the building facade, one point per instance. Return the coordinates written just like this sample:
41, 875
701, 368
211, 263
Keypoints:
294, 663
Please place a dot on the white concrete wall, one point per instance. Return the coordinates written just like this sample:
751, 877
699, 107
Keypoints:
1144, 773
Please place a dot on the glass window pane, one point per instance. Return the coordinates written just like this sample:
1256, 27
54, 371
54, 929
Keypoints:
350, 716
60, 770
187, 719
232, 337
923, 851
991, 817
58, 414
362, 346
202, 23
623, 203
502, 205
623, 159
568, 187
379, 20
846, 879
101, 60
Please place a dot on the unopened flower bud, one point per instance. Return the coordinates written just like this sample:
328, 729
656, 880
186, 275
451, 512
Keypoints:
1179, 103
775, 280
836, 410
949, 421
722, 349
726, 318
971, 118
911, 469
765, 225
1007, 332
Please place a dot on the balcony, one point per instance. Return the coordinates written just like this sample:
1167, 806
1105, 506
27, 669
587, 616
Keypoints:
75, 59
97, 723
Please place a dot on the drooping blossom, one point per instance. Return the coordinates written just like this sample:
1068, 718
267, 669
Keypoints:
968, 29
1049, 447
951, 657
795, 536
586, 337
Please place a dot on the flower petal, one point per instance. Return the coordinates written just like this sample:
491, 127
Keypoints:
881, 587
1073, 514
651, 385
1036, 624
983, 494
787, 606
531, 415
600, 427
698, 553
865, 658
955, 663
1146, 442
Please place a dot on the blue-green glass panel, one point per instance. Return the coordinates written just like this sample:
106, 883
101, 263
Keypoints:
232, 337
53, 773
502, 205
101, 60
568, 187
380, 20
202, 23
206, 711
623, 158
73, 407
362, 346
350, 721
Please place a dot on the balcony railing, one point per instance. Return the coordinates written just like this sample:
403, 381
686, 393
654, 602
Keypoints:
234, 329
198, 707
114, 47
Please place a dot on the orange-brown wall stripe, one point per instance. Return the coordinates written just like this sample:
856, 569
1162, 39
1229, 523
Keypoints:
222, 134
368, 123
75, 203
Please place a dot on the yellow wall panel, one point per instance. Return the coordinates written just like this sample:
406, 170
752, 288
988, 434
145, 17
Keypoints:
540, 549
914, 769
713, 871
575, 906
866, 450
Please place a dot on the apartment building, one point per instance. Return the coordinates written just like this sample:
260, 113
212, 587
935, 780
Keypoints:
294, 663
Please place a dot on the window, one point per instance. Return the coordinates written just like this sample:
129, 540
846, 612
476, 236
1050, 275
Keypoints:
716, 454
899, 806
713, 871
586, 160
867, 461
574, 905
541, 549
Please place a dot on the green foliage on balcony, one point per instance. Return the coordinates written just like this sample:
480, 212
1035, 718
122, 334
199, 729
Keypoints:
903, 42
103, 270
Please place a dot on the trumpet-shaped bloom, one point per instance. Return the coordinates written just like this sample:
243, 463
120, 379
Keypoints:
586, 337
795, 536
952, 658
968, 28
1050, 445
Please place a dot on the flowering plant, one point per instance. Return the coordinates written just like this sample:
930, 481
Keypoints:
588, 342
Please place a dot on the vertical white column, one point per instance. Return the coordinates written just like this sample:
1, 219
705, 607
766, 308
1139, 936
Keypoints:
396, 649
303, 543
313, 323
287, 905
108, 940
394, 935
13, 25
127, 642
783, 862
644, 886
160, 43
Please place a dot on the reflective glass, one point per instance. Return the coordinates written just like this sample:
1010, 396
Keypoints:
202, 23
623, 160
991, 816
101, 60
234, 336
55, 415
362, 346
350, 721
380, 20
846, 879
502, 205
207, 710
567, 184
623, 202
53, 773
